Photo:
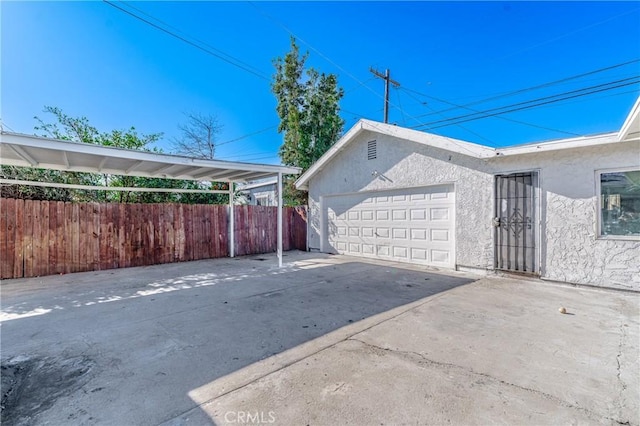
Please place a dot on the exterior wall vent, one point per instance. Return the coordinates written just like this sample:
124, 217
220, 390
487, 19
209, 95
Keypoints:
371, 150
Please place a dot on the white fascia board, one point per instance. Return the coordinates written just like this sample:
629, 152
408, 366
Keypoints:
253, 185
430, 139
560, 144
632, 124
17, 139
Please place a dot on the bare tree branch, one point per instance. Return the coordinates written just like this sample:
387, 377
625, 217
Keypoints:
199, 135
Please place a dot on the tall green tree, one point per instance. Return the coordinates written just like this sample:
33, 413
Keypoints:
308, 105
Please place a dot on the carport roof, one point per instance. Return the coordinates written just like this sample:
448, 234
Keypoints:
33, 151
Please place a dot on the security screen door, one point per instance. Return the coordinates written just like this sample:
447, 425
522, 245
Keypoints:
515, 222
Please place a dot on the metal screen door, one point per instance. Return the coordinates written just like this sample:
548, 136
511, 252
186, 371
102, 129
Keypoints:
515, 222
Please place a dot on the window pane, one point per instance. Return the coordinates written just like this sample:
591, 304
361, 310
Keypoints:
620, 203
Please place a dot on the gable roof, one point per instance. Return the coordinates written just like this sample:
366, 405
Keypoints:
429, 139
630, 131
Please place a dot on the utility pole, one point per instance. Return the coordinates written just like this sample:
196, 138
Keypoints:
387, 79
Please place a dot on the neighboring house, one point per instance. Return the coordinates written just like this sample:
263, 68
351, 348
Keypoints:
261, 193
565, 210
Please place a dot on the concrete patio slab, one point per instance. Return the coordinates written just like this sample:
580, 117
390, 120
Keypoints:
325, 340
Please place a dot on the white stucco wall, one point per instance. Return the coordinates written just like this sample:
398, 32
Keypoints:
570, 251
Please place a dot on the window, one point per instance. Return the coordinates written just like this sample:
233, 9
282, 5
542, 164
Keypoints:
620, 203
371, 150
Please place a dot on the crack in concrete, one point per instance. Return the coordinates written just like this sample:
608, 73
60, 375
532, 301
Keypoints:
495, 379
623, 386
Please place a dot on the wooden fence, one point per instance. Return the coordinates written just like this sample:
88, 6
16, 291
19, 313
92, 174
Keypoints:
44, 238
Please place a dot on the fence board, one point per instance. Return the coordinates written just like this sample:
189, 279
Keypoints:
119, 236
95, 236
4, 263
52, 240
43, 261
171, 240
82, 237
177, 251
36, 241
12, 238
60, 236
18, 263
6, 267
27, 242
198, 231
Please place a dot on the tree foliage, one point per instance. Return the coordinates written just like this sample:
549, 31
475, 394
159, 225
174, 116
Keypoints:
75, 129
308, 108
199, 136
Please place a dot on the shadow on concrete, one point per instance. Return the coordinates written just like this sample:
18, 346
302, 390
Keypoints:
153, 334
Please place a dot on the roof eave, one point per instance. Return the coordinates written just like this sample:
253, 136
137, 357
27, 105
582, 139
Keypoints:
631, 125
45, 147
580, 142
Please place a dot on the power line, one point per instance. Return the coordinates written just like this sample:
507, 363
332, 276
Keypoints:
595, 24
625, 82
359, 85
404, 121
220, 55
247, 135
459, 125
485, 114
539, 86
249, 154
500, 117
4, 124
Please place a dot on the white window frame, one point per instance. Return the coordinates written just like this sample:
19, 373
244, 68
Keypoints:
598, 201
263, 198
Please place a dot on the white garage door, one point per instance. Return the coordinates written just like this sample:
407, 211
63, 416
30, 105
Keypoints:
414, 225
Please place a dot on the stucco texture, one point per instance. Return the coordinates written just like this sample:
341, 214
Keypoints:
403, 164
570, 250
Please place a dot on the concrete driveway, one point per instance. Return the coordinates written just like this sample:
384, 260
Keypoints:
326, 340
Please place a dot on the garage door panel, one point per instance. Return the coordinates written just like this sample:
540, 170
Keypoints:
412, 225
399, 233
440, 256
418, 214
439, 214
382, 214
440, 235
400, 252
419, 254
418, 234
367, 215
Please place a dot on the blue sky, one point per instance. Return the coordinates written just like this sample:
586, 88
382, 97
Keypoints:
90, 59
